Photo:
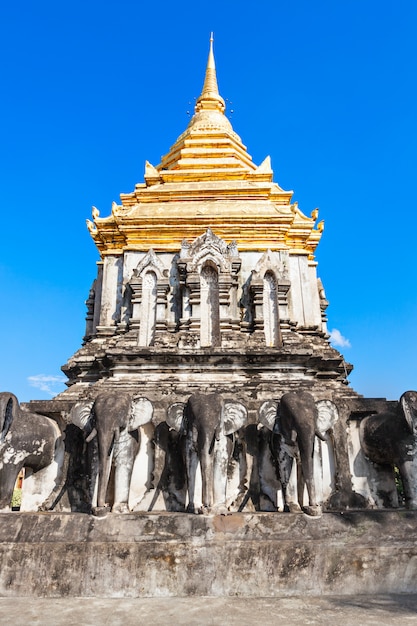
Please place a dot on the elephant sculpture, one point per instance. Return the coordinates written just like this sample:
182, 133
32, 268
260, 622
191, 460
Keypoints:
295, 421
115, 419
27, 440
208, 423
390, 439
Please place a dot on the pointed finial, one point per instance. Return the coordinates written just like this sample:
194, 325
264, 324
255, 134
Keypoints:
210, 98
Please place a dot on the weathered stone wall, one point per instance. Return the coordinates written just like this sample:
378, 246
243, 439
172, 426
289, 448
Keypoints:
267, 554
112, 295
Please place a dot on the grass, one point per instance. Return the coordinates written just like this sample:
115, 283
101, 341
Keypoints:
16, 499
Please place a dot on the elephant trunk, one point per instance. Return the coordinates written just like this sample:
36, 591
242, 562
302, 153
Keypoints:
105, 455
307, 463
8, 476
125, 451
284, 454
408, 472
91, 435
206, 455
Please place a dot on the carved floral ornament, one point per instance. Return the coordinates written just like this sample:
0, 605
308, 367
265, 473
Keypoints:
274, 262
150, 262
209, 248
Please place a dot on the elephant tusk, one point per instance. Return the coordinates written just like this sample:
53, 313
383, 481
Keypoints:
91, 435
321, 435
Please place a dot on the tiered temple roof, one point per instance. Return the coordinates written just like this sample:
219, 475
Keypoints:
207, 179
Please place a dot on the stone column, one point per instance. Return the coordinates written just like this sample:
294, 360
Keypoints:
97, 298
225, 283
284, 318
309, 302
193, 284
90, 314
186, 309
316, 313
234, 314
162, 289
185, 296
257, 291
136, 287
323, 305
111, 294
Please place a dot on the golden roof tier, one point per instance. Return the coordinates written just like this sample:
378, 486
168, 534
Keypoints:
207, 180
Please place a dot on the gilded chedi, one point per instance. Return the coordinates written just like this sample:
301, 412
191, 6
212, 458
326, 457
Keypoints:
207, 179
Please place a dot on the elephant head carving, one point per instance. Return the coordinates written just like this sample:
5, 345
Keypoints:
295, 421
27, 440
327, 416
115, 419
208, 422
176, 418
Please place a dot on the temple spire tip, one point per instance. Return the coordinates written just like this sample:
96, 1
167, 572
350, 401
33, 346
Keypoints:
210, 99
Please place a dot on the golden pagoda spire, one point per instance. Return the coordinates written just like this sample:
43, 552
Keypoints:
210, 99
207, 180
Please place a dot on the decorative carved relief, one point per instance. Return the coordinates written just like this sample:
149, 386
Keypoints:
269, 286
151, 262
148, 312
270, 310
324, 303
208, 270
277, 262
149, 286
89, 320
210, 326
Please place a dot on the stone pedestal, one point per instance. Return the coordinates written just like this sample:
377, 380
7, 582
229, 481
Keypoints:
176, 554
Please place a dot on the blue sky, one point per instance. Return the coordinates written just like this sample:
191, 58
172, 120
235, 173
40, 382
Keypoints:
90, 90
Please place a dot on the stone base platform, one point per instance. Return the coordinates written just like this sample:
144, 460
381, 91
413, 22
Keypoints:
177, 554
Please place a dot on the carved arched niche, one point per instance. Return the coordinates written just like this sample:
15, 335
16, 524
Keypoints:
270, 310
269, 288
149, 287
208, 270
210, 313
